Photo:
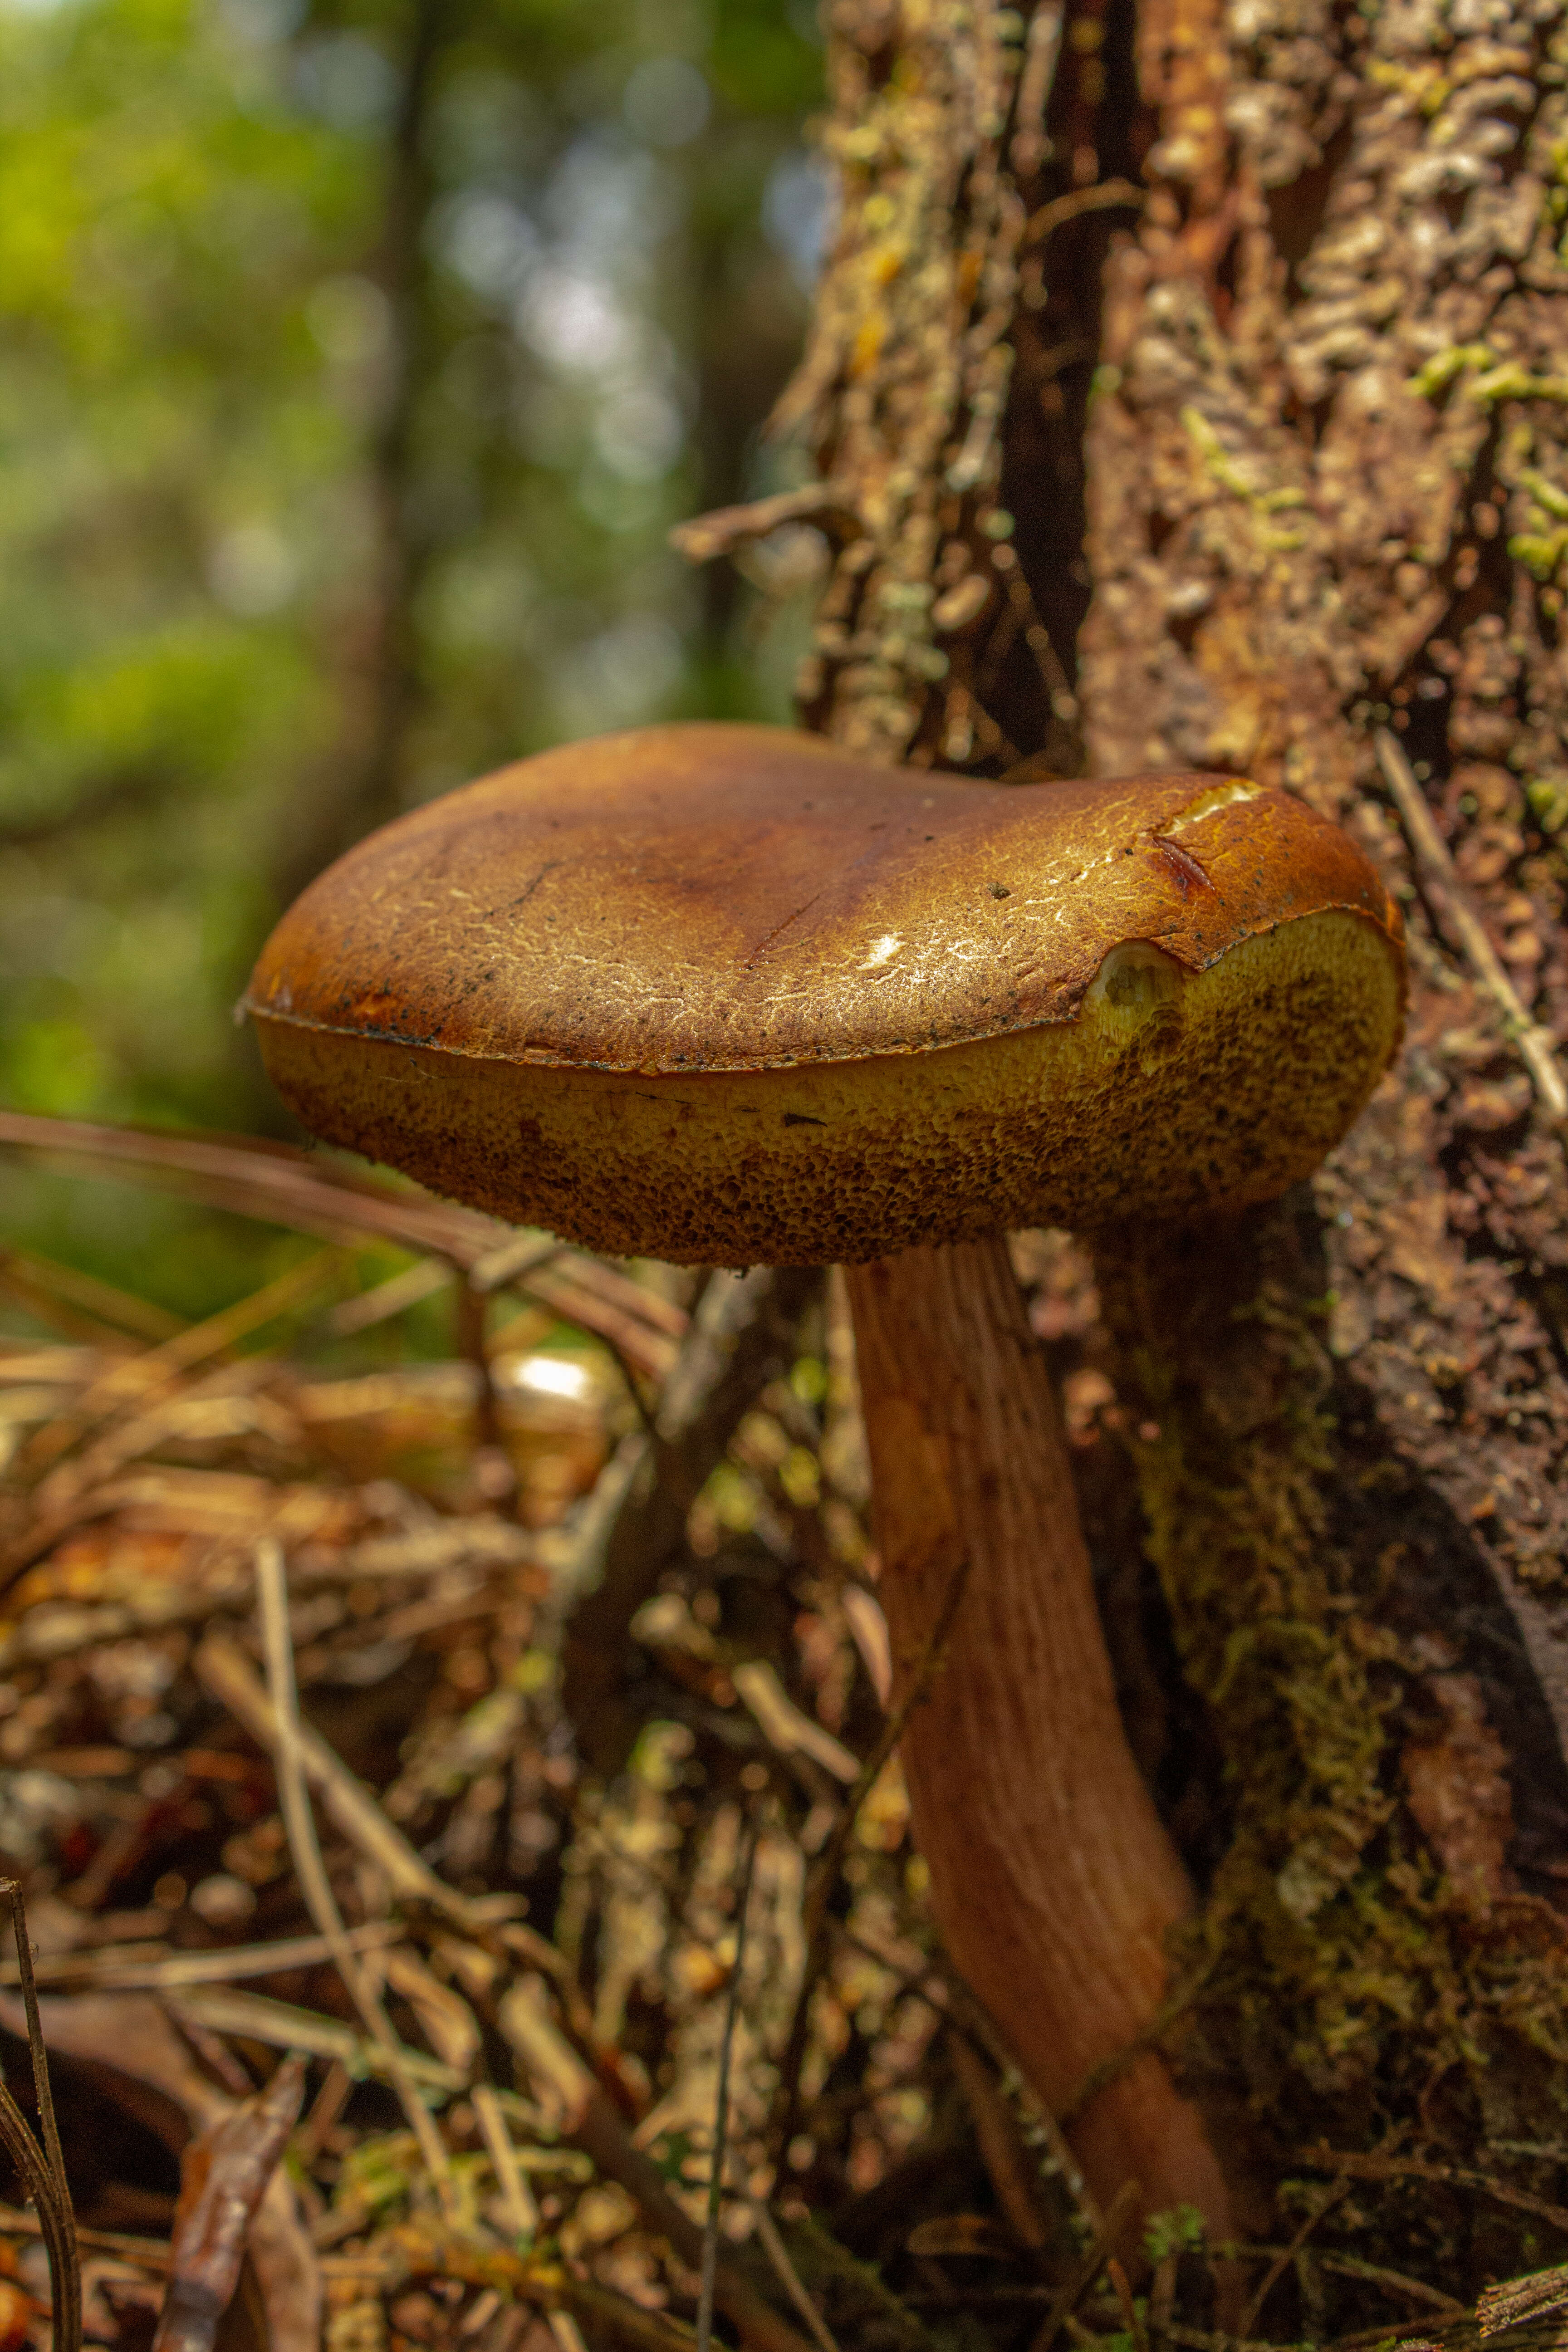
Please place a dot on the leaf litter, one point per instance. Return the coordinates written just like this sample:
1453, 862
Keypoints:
378, 2016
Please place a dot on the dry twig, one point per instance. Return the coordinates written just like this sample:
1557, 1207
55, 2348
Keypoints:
830, 505
224, 1670
1453, 2176
294, 1798
1122, 2210
44, 2176
832, 1862
1450, 904
585, 2117
789, 2278
1286, 2255
721, 2110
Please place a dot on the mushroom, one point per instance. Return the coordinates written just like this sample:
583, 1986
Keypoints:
723, 994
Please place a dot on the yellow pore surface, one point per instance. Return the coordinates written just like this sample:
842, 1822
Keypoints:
1170, 1091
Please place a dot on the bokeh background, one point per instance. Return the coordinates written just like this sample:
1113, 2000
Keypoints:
356, 357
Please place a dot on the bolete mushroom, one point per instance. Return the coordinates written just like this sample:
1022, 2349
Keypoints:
722, 994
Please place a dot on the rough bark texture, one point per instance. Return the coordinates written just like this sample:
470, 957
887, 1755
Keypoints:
1318, 432
1053, 1881
1324, 464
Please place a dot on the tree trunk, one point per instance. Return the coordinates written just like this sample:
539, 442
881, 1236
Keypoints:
1273, 300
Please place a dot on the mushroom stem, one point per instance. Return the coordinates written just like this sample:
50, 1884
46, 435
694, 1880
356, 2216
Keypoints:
1052, 1878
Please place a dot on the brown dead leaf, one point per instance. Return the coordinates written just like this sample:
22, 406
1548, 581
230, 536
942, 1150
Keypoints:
142, 2064
225, 2173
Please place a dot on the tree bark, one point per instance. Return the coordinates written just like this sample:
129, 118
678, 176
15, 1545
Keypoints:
1322, 463
1274, 299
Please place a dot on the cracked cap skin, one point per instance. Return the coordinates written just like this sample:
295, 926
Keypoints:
723, 994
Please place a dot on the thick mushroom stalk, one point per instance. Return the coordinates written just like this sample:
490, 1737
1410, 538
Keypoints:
1053, 1881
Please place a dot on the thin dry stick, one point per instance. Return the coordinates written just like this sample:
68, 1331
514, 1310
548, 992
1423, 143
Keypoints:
294, 1802
721, 2108
299, 1190
962, 2008
1173, 2006
1372, 2274
56, 2223
832, 1862
517, 2197
1412, 2168
1535, 1044
394, 1297
524, 1254
1201, 2340
1123, 2206
226, 1671
151, 2253
970, 2016
46, 2182
587, 2119
1107, 195
41, 2086
1287, 2255
159, 1970
789, 2278
1001, 2149
223, 1669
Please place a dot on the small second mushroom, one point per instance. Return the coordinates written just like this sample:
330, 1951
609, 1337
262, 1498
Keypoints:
722, 995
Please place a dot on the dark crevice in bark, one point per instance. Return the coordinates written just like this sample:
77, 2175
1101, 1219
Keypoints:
1444, 1581
1099, 132
1298, 211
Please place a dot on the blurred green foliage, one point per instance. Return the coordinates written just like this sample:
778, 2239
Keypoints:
353, 365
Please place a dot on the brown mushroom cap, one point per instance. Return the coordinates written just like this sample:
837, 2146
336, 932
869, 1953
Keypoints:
722, 993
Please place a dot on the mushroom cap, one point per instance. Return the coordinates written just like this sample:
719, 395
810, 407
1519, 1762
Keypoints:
722, 993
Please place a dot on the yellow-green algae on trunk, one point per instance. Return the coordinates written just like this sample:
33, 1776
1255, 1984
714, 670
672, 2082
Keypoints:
1345, 1983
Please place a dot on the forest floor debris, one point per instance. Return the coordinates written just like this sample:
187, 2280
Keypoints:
304, 1826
